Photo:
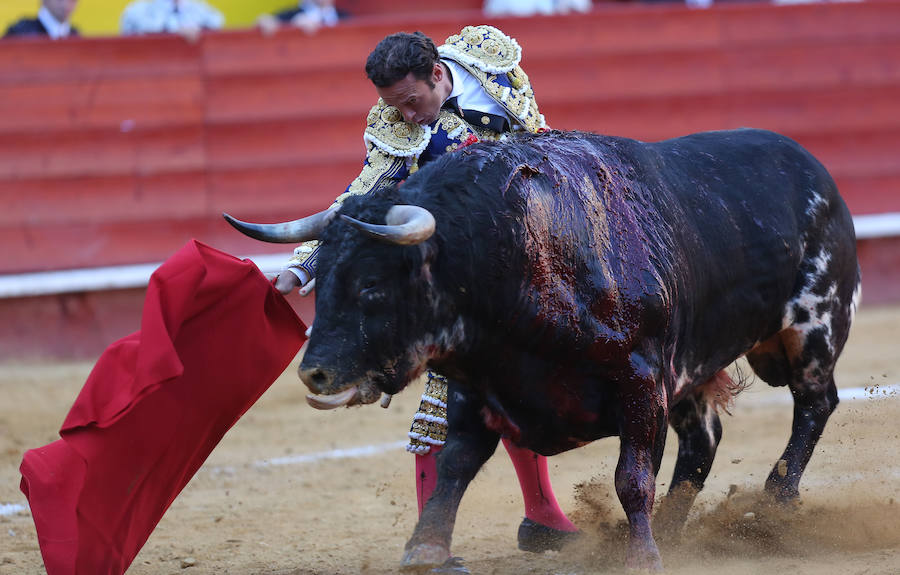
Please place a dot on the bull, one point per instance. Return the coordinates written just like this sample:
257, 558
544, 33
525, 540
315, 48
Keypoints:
575, 286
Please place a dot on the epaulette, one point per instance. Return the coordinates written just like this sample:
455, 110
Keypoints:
386, 129
483, 47
493, 58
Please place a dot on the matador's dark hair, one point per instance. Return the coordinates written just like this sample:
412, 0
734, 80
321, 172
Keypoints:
398, 55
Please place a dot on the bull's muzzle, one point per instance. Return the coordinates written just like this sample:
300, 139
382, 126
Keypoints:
325, 395
321, 382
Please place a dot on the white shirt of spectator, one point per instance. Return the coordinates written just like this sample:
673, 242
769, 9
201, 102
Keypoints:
325, 16
152, 16
55, 29
533, 7
469, 92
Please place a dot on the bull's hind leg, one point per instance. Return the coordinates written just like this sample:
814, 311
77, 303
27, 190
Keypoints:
699, 430
802, 356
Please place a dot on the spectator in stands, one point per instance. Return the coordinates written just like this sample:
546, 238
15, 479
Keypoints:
308, 15
52, 21
533, 7
186, 17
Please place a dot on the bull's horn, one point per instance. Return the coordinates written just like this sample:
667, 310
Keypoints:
333, 401
293, 232
405, 225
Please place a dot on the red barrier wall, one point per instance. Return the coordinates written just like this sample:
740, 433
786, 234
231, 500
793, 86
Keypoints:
117, 151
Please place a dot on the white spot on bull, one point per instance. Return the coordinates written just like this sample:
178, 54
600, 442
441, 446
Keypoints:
811, 302
708, 417
816, 202
685, 379
857, 297
682, 380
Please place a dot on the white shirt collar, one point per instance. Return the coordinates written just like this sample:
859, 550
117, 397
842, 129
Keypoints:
457, 81
54, 28
473, 96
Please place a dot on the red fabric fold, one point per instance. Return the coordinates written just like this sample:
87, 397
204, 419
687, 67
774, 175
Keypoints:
214, 336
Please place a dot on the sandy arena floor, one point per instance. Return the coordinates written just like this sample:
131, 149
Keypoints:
282, 495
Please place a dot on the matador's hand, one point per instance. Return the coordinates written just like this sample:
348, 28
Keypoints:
289, 279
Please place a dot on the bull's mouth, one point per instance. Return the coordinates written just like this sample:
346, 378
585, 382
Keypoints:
361, 394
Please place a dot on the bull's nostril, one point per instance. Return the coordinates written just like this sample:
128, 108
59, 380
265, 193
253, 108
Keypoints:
319, 378
316, 379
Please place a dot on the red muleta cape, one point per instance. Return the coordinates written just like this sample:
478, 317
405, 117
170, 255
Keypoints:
214, 336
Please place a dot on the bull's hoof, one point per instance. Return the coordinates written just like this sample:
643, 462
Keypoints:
452, 565
785, 494
537, 538
643, 558
425, 556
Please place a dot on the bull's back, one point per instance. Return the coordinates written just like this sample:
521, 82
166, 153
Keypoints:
687, 238
743, 215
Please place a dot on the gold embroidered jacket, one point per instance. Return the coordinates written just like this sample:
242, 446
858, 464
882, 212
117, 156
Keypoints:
396, 148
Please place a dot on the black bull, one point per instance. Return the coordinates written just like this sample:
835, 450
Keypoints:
580, 286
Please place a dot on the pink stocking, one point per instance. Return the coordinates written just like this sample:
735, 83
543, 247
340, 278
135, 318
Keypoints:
540, 502
426, 476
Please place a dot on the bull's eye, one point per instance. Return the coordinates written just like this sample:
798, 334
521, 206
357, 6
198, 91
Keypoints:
368, 289
370, 293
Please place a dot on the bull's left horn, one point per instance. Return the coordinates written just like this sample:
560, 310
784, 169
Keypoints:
292, 232
405, 225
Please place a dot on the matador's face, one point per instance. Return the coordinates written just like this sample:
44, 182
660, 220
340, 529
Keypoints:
418, 102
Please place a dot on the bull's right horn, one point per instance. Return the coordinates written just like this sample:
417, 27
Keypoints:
406, 225
293, 232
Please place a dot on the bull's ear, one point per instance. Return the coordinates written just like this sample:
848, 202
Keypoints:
405, 225
292, 232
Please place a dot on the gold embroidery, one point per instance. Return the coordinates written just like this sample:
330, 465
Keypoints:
390, 115
486, 134
402, 131
429, 426
386, 129
484, 44
303, 253
520, 103
379, 167
450, 122
518, 78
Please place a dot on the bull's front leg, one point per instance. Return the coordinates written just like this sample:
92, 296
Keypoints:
468, 446
643, 437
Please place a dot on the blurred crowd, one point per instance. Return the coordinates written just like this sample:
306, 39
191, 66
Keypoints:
190, 17
186, 17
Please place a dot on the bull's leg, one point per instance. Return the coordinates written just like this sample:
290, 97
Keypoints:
468, 446
813, 404
699, 431
643, 437
803, 357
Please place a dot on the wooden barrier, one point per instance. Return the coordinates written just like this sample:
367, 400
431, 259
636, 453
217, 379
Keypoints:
118, 150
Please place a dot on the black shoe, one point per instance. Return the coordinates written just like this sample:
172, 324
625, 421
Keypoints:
537, 538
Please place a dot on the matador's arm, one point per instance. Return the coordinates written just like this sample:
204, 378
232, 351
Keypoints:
380, 169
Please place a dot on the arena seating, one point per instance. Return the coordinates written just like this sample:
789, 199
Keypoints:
116, 151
